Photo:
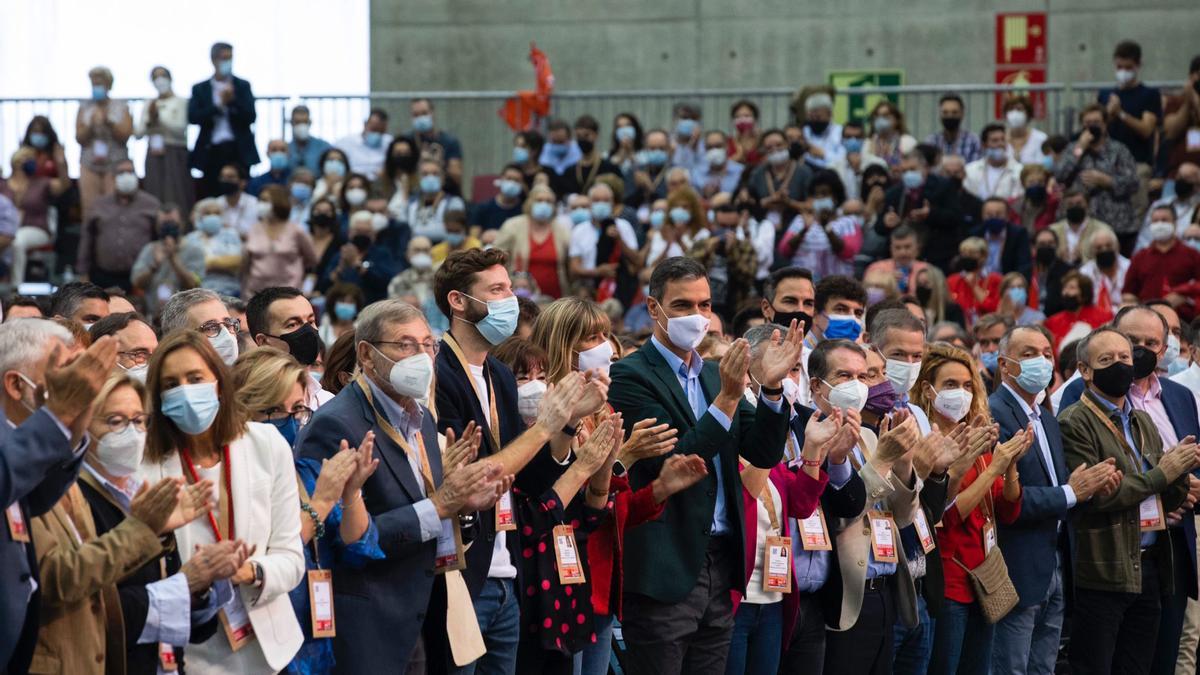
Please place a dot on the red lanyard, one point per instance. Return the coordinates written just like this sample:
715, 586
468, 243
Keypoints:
212, 519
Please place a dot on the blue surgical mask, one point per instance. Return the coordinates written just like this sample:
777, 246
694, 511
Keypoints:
990, 360
287, 428
1048, 162
279, 161
685, 128
580, 215
912, 179
210, 224
602, 211
657, 218
656, 157
1036, 373
520, 154
501, 319
842, 326
225, 68
301, 192
423, 123
99, 92
853, 144
997, 154
1018, 295
335, 167
373, 139
345, 311
431, 184
455, 239
510, 188
823, 204
542, 211
38, 139
626, 133
192, 407
680, 216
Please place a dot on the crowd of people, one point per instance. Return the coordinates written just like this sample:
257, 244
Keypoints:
819, 399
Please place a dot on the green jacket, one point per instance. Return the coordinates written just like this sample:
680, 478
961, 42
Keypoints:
663, 557
1107, 533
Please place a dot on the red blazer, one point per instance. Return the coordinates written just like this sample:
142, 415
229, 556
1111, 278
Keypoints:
605, 544
964, 297
1060, 324
962, 538
801, 494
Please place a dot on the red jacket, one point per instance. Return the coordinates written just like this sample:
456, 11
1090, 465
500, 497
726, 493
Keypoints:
605, 544
1060, 324
964, 297
962, 538
801, 494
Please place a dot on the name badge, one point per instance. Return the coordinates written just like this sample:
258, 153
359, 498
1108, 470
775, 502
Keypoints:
927, 541
570, 569
236, 622
1193, 140
166, 658
883, 536
989, 537
449, 555
777, 567
505, 520
1150, 514
99, 149
814, 534
320, 599
18, 529
157, 145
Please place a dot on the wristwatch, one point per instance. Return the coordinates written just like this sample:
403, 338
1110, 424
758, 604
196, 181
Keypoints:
258, 573
618, 469
570, 430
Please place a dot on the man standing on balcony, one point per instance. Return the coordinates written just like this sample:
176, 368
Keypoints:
223, 107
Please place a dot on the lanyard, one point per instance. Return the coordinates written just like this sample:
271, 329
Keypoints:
493, 419
226, 492
398, 438
304, 499
1133, 454
584, 185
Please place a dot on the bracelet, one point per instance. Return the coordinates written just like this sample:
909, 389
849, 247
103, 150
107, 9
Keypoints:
357, 498
769, 391
810, 462
318, 525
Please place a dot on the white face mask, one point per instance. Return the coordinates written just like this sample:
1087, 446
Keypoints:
850, 394
529, 397
902, 375
126, 182
300, 132
686, 332
410, 376
596, 358
120, 452
953, 404
1016, 118
1161, 230
379, 222
356, 196
791, 390
1172, 352
138, 372
162, 84
226, 345
264, 210
1125, 75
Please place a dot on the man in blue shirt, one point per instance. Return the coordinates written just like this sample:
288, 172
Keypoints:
305, 149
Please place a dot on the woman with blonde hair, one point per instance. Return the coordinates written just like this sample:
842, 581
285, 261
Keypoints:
686, 213
934, 297
950, 390
272, 386
102, 128
1014, 300
198, 430
537, 242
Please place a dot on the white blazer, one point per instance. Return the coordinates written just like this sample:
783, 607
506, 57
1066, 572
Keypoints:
1008, 186
266, 512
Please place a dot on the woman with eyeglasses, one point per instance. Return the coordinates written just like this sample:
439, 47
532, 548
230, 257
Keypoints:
198, 430
334, 524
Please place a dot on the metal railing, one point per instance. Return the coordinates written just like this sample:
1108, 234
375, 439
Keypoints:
487, 140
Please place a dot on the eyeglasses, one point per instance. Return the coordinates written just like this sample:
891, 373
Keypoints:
212, 328
118, 423
411, 347
137, 356
301, 414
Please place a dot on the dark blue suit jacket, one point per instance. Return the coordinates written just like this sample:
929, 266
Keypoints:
202, 112
381, 606
1015, 256
1030, 545
36, 468
1180, 405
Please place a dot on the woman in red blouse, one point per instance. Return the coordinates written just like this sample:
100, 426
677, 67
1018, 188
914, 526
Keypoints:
950, 390
974, 289
1078, 306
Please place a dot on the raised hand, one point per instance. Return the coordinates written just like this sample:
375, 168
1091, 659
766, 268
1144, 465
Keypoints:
154, 505
1087, 481
472, 484
593, 396
361, 468
678, 473
647, 440
195, 500
895, 440
555, 409
734, 366
1009, 451
779, 356
592, 454
335, 471
71, 389
928, 451
460, 451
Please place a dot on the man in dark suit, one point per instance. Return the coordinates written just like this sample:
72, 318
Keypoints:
1008, 243
382, 607
41, 448
929, 204
1037, 546
473, 290
680, 568
223, 106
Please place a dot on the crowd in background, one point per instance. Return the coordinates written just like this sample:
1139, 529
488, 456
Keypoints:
818, 399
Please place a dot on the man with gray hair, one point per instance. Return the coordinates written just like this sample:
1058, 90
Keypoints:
822, 135
46, 400
203, 310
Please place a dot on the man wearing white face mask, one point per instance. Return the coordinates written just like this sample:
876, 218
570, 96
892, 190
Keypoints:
136, 342
717, 173
900, 338
1134, 109
679, 569
201, 309
114, 231
1166, 263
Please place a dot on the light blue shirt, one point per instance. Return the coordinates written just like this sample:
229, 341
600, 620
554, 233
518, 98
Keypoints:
812, 567
727, 180
875, 568
308, 155
689, 380
1039, 431
995, 247
409, 424
1125, 413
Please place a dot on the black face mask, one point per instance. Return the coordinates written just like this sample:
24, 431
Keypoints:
818, 128
1070, 303
303, 344
1046, 255
785, 319
924, 294
1076, 214
585, 146
322, 220
1184, 189
227, 187
796, 150
361, 242
1144, 362
951, 123
1096, 131
1036, 194
405, 163
1106, 259
968, 264
1114, 380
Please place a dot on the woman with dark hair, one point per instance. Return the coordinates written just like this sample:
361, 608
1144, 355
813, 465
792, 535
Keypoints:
343, 302
356, 189
50, 157
744, 139
164, 124
335, 166
198, 431
627, 140
1077, 307
780, 183
397, 183
889, 139
326, 237
339, 364
819, 238
527, 147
